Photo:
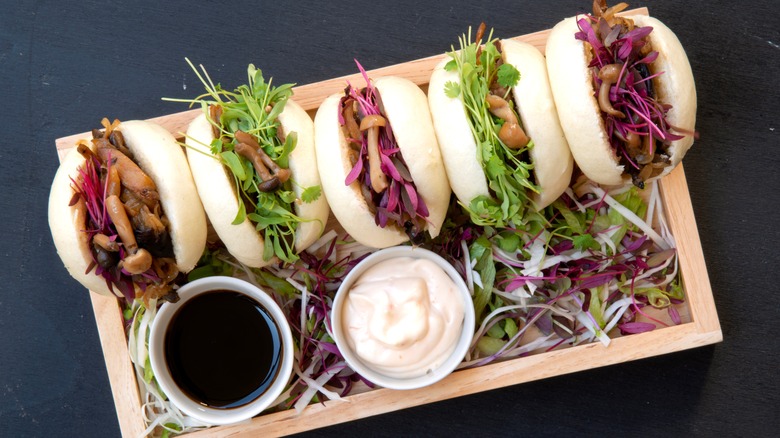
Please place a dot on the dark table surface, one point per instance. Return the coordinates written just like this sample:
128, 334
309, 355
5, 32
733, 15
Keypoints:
66, 64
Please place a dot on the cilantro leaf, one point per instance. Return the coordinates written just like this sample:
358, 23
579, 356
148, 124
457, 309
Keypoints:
507, 170
254, 108
494, 167
482, 251
311, 194
452, 89
508, 76
510, 327
277, 284
574, 220
148, 372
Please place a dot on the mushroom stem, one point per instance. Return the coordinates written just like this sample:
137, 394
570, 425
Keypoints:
250, 153
371, 123
378, 178
270, 182
137, 263
118, 140
85, 150
114, 186
116, 210
166, 269
132, 177
609, 75
278, 171
353, 132
511, 133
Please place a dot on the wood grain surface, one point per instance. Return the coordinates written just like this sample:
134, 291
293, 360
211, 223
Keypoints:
65, 65
700, 322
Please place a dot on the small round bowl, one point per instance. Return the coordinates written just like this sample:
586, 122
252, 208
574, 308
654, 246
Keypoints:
392, 382
191, 407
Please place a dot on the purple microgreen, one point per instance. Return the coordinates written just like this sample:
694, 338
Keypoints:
388, 168
631, 94
631, 328
674, 315
399, 204
354, 174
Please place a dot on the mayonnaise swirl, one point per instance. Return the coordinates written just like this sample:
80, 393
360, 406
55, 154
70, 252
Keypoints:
403, 317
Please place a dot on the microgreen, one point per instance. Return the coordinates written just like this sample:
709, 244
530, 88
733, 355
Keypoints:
254, 108
400, 203
508, 171
586, 271
617, 41
507, 75
91, 189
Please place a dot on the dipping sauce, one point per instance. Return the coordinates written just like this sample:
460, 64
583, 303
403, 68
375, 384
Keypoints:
403, 317
222, 349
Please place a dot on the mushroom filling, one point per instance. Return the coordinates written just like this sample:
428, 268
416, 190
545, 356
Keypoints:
620, 55
125, 223
264, 186
251, 144
501, 104
484, 87
377, 163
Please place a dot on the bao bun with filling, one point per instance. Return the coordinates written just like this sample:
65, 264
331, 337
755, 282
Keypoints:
158, 154
550, 155
581, 119
218, 194
406, 109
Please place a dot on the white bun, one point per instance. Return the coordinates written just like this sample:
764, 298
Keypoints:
675, 86
550, 155
303, 165
580, 117
567, 62
67, 225
346, 202
156, 152
406, 108
552, 160
218, 194
458, 148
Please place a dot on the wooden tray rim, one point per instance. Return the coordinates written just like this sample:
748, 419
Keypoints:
703, 329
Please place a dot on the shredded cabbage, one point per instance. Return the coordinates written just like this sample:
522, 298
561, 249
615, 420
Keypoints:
581, 277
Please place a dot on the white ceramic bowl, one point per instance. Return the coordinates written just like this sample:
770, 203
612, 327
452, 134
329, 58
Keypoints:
180, 399
432, 376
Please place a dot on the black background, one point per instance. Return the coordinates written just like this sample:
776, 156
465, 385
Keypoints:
66, 64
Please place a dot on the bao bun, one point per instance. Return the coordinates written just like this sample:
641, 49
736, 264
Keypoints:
582, 122
534, 104
406, 109
218, 193
156, 152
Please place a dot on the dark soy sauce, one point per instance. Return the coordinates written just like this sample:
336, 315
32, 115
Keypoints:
223, 349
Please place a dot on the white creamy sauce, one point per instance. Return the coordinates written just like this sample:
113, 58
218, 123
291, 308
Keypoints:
403, 317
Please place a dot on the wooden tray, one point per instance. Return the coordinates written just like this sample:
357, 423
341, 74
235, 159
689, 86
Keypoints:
702, 326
